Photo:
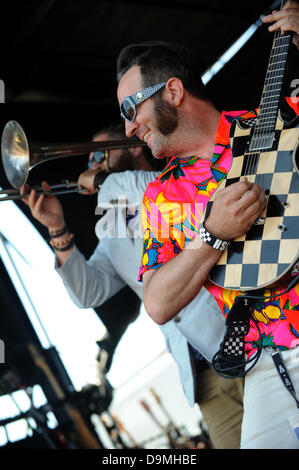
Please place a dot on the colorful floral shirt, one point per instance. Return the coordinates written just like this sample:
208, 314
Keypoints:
171, 211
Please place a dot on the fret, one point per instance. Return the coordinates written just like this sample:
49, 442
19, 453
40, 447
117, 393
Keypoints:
262, 129
271, 78
270, 90
285, 38
277, 70
278, 47
265, 121
280, 53
270, 96
271, 109
264, 106
268, 108
277, 54
276, 74
265, 118
278, 62
273, 89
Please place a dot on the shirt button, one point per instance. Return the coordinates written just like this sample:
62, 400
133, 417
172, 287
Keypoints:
177, 319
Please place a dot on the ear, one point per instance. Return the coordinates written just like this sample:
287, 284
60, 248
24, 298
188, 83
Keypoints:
175, 91
136, 151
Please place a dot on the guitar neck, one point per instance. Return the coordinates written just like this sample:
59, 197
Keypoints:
264, 131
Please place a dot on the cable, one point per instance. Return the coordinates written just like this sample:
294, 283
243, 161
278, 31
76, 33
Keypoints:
290, 286
224, 371
239, 369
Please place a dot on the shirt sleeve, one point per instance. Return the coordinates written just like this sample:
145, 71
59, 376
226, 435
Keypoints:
159, 242
89, 283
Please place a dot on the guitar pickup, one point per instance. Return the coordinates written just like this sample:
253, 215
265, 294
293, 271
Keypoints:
262, 141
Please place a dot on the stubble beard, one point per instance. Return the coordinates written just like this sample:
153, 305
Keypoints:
125, 162
166, 121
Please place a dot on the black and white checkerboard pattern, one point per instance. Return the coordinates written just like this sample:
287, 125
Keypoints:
204, 234
266, 252
234, 343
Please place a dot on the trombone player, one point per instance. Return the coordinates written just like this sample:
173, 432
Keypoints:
95, 283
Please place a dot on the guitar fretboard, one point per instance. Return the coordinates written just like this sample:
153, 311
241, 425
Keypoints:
263, 135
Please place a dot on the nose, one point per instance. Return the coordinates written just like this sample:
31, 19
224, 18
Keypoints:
131, 128
98, 166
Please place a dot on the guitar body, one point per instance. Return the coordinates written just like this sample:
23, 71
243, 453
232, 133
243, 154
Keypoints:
271, 247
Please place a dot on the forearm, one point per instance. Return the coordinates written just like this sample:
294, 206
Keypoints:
171, 287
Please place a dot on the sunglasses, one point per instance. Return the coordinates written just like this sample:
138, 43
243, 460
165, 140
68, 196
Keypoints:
99, 157
129, 104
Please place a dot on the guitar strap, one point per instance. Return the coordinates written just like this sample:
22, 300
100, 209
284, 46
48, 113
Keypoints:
230, 360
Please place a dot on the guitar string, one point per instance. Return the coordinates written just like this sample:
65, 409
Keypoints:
252, 159
264, 127
260, 130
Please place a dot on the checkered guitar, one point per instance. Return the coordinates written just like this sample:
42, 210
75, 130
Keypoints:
265, 150
271, 247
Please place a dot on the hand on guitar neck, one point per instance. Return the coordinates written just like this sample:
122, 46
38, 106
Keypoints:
235, 209
287, 19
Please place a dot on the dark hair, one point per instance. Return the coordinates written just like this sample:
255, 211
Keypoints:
159, 61
116, 130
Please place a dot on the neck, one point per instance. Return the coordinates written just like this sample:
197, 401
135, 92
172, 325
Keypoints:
199, 125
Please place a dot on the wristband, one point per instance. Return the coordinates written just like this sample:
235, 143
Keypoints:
63, 245
64, 248
58, 233
211, 240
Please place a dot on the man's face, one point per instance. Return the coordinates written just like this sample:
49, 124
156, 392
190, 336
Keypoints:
156, 119
119, 159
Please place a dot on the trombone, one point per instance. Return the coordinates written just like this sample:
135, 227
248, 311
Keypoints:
65, 187
19, 155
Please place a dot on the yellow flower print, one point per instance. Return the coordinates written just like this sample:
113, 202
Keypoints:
267, 314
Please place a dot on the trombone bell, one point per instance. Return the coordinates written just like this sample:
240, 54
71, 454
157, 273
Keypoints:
15, 154
19, 156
